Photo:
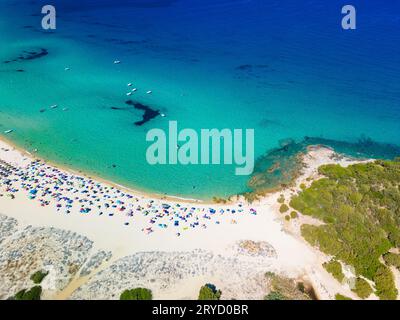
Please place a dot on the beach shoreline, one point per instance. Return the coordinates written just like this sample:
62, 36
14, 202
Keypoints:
7, 143
217, 230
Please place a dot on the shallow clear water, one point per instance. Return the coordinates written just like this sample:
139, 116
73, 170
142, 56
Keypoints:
284, 68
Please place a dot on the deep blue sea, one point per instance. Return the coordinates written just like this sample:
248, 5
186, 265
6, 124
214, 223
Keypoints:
285, 68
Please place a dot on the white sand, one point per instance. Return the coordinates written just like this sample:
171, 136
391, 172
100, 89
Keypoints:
295, 258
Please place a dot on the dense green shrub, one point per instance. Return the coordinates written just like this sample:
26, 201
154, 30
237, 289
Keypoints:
362, 288
335, 268
281, 199
360, 205
284, 208
338, 296
137, 294
293, 215
32, 294
38, 277
209, 292
274, 296
385, 285
283, 288
392, 259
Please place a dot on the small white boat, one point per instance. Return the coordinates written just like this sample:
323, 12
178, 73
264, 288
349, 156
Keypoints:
129, 84
134, 90
67, 69
162, 115
65, 109
129, 94
8, 131
54, 106
117, 62
149, 92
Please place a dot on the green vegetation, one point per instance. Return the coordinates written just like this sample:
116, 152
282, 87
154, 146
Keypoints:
362, 288
281, 199
274, 296
209, 292
335, 268
284, 208
338, 296
137, 294
294, 215
283, 288
32, 294
384, 282
287, 218
38, 277
392, 259
303, 186
35, 292
360, 206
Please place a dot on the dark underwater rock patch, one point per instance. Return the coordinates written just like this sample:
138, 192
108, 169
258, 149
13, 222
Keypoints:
251, 67
148, 115
29, 55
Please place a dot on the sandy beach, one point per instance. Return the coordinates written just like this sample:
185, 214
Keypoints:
98, 240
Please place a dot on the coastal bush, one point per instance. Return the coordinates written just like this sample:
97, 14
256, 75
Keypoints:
284, 208
335, 268
274, 296
360, 206
282, 288
137, 294
384, 283
287, 218
362, 288
294, 215
392, 259
38, 277
339, 296
32, 294
281, 199
209, 292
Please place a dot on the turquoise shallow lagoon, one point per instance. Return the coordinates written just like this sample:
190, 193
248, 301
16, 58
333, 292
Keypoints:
286, 69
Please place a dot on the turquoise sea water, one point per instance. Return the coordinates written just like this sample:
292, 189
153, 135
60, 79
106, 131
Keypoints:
284, 68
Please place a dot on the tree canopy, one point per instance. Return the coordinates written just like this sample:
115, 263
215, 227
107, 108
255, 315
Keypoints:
360, 206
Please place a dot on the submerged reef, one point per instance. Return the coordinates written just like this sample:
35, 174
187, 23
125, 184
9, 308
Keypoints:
148, 114
29, 55
280, 166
